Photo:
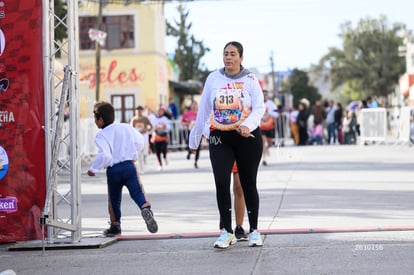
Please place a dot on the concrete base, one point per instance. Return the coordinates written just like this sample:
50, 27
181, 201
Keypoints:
86, 243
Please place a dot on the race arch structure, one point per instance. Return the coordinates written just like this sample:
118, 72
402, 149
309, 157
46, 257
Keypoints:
61, 214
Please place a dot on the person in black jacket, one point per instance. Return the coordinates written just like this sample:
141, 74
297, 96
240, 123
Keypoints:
338, 115
302, 121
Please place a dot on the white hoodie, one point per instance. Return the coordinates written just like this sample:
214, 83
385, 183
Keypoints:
228, 102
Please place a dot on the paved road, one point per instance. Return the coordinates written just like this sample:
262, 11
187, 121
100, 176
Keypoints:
324, 210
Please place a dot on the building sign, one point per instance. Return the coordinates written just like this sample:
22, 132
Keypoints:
115, 74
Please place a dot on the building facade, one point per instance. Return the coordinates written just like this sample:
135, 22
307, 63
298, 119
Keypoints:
406, 82
133, 64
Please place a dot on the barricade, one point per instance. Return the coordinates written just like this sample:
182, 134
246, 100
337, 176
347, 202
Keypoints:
88, 130
404, 129
282, 128
373, 124
178, 138
178, 135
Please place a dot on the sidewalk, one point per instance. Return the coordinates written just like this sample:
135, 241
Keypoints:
323, 210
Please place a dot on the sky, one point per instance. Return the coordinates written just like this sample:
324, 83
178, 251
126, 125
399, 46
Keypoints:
294, 33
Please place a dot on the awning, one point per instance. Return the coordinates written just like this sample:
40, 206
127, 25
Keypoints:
186, 87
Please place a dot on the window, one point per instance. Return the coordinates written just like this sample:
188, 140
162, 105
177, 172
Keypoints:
119, 29
124, 107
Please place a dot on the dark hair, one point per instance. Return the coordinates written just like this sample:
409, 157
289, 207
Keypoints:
236, 44
364, 103
104, 110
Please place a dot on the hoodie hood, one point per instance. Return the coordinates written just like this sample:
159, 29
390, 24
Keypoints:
243, 72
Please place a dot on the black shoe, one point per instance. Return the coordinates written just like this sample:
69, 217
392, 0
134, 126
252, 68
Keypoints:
149, 220
195, 165
240, 234
264, 163
188, 156
112, 231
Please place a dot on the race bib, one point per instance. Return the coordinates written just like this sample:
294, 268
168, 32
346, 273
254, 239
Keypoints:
140, 126
228, 111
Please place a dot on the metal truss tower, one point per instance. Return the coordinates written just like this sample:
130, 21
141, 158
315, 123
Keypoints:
61, 216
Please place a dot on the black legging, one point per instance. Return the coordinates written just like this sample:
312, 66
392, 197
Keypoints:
161, 148
225, 148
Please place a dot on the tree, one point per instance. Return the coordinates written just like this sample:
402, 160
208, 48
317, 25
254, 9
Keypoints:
61, 33
298, 86
189, 51
369, 63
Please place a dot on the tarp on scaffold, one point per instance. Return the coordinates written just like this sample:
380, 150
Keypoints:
22, 139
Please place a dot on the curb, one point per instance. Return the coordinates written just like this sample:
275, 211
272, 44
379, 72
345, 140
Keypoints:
286, 231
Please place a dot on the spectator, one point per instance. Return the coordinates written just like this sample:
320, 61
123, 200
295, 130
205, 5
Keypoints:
302, 122
362, 105
172, 109
144, 126
149, 113
160, 136
267, 125
293, 123
349, 128
318, 112
371, 102
187, 121
330, 122
338, 117
316, 135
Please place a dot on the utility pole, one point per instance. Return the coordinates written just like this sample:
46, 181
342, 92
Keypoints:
273, 74
98, 53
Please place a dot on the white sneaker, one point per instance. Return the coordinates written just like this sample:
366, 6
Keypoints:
255, 239
224, 240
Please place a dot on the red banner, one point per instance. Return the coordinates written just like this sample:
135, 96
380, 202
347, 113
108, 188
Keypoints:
22, 139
